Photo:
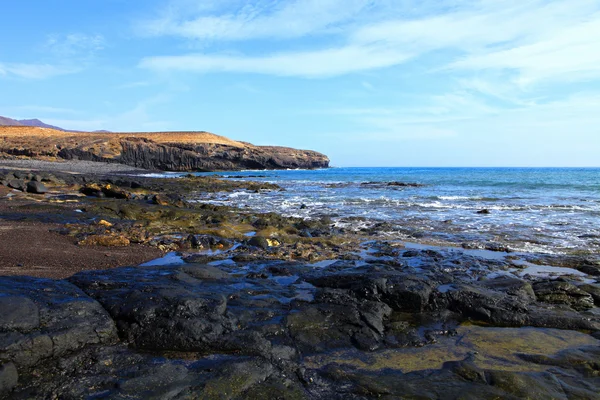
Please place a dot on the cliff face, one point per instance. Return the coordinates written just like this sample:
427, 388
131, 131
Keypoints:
212, 156
169, 151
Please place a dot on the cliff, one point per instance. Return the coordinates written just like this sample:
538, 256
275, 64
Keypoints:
169, 151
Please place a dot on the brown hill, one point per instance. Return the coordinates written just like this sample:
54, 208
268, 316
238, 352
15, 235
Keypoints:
172, 151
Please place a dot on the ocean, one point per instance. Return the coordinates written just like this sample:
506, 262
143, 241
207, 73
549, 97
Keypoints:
546, 210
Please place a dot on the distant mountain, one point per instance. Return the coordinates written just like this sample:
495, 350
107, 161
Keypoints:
39, 124
5, 121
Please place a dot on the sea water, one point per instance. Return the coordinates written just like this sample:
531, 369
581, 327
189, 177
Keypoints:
550, 210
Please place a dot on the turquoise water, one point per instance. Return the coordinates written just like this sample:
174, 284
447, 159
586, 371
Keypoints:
551, 210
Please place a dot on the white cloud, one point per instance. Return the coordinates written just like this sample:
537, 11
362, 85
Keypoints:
311, 64
537, 39
35, 71
254, 19
570, 54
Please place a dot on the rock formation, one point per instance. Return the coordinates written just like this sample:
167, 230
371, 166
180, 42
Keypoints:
169, 151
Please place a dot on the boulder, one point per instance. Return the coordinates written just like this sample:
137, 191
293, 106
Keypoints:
259, 241
17, 184
36, 187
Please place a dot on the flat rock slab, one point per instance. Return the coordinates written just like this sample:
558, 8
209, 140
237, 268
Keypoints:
43, 318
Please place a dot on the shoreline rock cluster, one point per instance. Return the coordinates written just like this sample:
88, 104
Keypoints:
256, 306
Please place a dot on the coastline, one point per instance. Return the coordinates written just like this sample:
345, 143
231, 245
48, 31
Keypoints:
260, 305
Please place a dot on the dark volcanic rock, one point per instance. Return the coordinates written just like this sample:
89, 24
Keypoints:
144, 153
18, 184
338, 320
559, 292
36, 187
160, 310
9, 377
42, 318
399, 291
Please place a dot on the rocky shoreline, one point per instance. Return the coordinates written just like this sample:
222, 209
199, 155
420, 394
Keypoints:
247, 306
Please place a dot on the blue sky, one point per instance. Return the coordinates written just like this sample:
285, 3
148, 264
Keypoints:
367, 82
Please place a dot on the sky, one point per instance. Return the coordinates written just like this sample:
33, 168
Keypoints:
367, 82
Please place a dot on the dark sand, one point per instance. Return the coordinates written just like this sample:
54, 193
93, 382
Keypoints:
31, 248
71, 166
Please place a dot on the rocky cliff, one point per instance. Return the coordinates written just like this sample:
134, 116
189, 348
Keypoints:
169, 151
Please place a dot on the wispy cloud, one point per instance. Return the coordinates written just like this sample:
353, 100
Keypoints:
36, 71
570, 54
74, 44
245, 20
563, 43
310, 64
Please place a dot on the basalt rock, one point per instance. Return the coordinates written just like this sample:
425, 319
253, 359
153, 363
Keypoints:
17, 184
159, 310
559, 292
36, 187
144, 153
42, 318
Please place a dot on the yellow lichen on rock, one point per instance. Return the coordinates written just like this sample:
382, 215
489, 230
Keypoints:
105, 240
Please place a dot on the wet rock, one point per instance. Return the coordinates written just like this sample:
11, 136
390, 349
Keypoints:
559, 292
594, 291
337, 320
526, 385
36, 187
399, 291
9, 377
407, 293
511, 286
168, 200
17, 184
106, 190
485, 211
18, 313
392, 183
204, 272
160, 309
42, 318
208, 242
259, 241
487, 305
410, 253
22, 175
234, 379
155, 381
589, 267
